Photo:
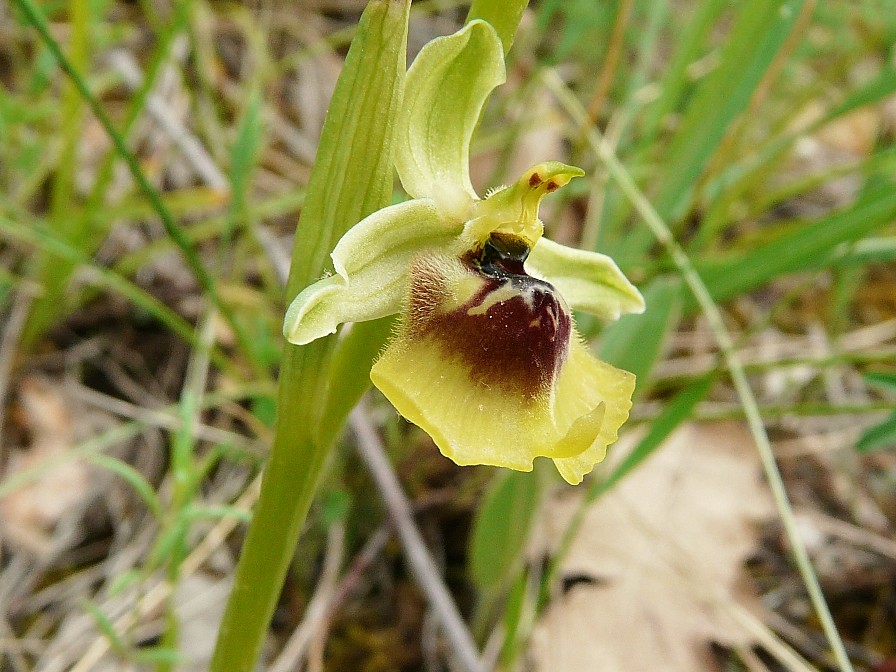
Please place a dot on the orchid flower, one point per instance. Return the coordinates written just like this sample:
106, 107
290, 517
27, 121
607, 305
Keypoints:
485, 357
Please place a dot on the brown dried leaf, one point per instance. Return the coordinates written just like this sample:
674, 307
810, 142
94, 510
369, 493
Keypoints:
29, 514
665, 550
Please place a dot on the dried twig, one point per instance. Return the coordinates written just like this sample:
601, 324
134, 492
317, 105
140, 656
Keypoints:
422, 566
17, 317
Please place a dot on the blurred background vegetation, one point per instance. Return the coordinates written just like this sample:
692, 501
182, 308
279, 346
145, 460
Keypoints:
134, 419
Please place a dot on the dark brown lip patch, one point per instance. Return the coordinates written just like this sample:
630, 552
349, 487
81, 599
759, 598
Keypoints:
517, 344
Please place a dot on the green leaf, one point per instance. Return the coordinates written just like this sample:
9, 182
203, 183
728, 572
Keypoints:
194, 512
172, 228
872, 91
502, 526
169, 545
864, 252
882, 435
519, 598
881, 379
101, 276
149, 655
635, 342
447, 86
351, 178
123, 581
878, 436
105, 625
693, 36
754, 169
243, 157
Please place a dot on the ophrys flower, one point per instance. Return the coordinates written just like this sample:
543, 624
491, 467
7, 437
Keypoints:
486, 358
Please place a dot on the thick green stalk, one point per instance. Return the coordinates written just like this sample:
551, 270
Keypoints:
352, 177
504, 15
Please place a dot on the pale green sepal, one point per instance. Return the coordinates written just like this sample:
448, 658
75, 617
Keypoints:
589, 281
446, 88
371, 262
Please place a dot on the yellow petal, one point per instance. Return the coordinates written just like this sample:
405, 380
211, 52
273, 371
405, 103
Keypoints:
584, 381
490, 367
513, 210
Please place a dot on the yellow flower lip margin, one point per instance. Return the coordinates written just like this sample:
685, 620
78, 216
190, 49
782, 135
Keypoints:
485, 358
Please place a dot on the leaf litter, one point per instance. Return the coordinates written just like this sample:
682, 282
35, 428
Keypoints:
660, 558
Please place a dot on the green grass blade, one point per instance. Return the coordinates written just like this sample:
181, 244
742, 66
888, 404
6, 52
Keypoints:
674, 81
878, 436
133, 478
802, 248
513, 617
194, 512
72, 117
104, 277
677, 410
635, 342
882, 435
171, 228
158, 655
759, 31
53, 275
243, 156
873, 91
882, 379
753, 170
105, 626
84, 228
501, 527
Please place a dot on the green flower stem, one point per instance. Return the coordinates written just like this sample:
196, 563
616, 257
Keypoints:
679, 257
288, 486
352, 177
504, 15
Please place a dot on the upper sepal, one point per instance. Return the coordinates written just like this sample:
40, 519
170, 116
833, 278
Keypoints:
446, 88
